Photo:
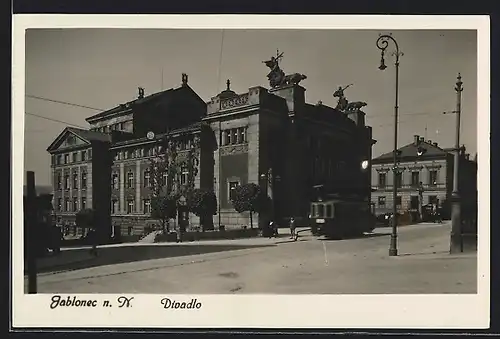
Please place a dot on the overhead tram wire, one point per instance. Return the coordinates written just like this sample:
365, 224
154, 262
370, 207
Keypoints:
55, 120
63, 102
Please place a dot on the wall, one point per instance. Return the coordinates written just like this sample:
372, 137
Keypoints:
441, 190
235, 161
101, 188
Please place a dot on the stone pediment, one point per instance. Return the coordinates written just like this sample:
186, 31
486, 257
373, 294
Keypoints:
67, 140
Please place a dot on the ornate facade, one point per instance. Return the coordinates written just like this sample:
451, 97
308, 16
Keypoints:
270, 137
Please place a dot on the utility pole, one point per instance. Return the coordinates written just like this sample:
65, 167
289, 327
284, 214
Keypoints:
456, 243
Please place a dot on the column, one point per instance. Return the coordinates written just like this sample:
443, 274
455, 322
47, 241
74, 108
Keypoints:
138, 181
122, 188
89, 189
80, 186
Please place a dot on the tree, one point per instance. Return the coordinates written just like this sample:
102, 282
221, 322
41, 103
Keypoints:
164, 207
86, 218
249, 197
203, 203
166, 169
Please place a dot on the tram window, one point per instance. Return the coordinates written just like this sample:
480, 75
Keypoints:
321, 211
313, 211
329, 211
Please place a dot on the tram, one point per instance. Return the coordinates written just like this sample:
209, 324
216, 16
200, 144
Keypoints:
340, 217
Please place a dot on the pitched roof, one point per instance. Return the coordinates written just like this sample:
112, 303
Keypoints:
84, 134
410, 151
90, 135
168, 95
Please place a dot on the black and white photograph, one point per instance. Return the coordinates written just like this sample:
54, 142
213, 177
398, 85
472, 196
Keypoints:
191, 164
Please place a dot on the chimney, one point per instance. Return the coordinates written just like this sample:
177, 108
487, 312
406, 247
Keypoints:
422, 139
416, 139
184, 79
435, 144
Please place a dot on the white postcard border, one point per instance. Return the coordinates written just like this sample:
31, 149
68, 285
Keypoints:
258, 311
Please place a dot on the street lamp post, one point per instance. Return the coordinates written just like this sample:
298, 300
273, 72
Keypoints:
382, 44
456, 244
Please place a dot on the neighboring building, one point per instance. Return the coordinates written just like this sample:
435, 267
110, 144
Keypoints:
433, 168
269, 137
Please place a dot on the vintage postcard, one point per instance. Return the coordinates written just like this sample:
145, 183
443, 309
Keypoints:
242, 171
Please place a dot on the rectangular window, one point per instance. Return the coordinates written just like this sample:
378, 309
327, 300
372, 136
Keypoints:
75, 156
83, 203
227, 137
147, 178
398, 201
66, 182
66, 158
433, 178
415, 179
232, 188
75, 180
321, 210
75, 204
382, 180
90, 154
67, 205
164, 179
114, 181
122, 126
59, 159
381, 201
184, 175
59, 181
130, 206
414, 202
234, 136
329, 211
114, 206
84, 180
242, 135
147, 206
399, 179
84, 155
59, 204
130, 179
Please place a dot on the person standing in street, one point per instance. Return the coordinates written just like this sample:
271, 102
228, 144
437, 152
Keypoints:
292, 228
93, 240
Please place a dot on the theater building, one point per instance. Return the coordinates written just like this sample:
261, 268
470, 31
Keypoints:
271, 137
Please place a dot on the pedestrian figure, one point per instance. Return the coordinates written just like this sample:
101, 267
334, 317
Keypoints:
272, 229
179, 233
93, 238
292, 228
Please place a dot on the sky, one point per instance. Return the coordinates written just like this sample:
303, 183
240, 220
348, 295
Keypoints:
102, 68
